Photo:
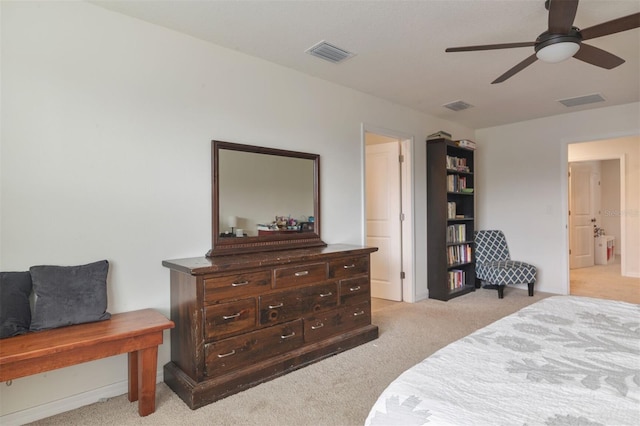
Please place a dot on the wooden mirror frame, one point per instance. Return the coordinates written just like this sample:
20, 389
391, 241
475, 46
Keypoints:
227, 246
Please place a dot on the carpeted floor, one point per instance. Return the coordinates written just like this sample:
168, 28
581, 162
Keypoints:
337, 391
605, 282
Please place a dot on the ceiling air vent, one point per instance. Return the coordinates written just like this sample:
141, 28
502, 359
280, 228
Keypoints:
329, 52
582, 100
458, 106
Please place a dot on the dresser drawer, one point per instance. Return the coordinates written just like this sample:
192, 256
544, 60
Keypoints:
250, 348
355, 290
322, 325
238, 285
227, 319
290, 304
291, 276
349, 266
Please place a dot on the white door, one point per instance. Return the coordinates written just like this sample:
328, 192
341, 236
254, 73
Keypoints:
581, 215
383, 219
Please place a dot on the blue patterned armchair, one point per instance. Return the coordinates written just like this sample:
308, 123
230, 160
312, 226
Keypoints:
494, 265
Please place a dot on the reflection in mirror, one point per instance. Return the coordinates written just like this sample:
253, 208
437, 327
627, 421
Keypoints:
263, 199
265, 193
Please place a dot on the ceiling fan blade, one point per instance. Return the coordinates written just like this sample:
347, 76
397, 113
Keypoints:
561, 15
522, 65
611, 27
490, 47
598, 57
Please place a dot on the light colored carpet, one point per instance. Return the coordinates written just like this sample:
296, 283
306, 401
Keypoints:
339, 390
605, 282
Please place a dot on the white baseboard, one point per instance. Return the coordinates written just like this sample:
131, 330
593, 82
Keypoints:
67, 404
421, 296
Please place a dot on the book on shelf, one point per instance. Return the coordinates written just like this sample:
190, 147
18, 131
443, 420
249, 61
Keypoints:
466, 143
456, 183
457, 164
456, 233
459, 254
457, 279
451, 210
441, 134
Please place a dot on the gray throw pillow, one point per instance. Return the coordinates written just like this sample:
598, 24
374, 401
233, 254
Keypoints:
15, 312
67, 295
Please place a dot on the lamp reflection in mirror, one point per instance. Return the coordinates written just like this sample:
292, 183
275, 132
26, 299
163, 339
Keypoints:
233, 222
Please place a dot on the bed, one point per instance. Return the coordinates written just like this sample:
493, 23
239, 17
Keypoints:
564, 360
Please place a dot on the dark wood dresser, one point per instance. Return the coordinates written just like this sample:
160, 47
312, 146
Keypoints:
244, 319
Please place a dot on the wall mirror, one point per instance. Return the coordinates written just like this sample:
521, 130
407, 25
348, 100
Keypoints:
263, 199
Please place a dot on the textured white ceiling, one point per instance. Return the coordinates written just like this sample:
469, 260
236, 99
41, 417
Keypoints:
400, 49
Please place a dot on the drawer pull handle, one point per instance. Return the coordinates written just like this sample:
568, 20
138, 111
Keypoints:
357, 314
228, 317
317, 326
238, 284
353, 265
286, 336
279, 305
301, 273
233, 352
357, 288
326, 294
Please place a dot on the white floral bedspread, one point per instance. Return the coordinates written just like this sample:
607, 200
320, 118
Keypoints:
562, 361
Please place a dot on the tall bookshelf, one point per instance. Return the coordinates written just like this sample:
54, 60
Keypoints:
450, 219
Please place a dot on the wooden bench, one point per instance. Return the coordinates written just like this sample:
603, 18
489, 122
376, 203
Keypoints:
137, 333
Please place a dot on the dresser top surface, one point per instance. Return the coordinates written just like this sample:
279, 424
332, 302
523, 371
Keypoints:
204, 265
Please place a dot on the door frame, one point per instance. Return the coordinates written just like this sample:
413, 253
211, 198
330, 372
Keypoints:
623, 221
564, 170
406, 170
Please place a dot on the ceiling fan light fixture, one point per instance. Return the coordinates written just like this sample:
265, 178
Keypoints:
558, 52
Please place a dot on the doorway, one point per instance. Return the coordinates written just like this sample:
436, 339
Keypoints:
388, 210
596, 194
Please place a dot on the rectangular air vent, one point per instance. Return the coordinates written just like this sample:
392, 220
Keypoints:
582, 100
458, 106
329, 52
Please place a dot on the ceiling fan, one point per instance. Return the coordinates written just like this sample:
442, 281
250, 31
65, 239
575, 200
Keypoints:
562, 40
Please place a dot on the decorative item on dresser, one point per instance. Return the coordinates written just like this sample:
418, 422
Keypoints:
450, 218
248, 318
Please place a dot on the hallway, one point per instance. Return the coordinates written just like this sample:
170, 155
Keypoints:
605, 282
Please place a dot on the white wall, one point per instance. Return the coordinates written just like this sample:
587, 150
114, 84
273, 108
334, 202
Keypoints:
106, 130
522, 185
